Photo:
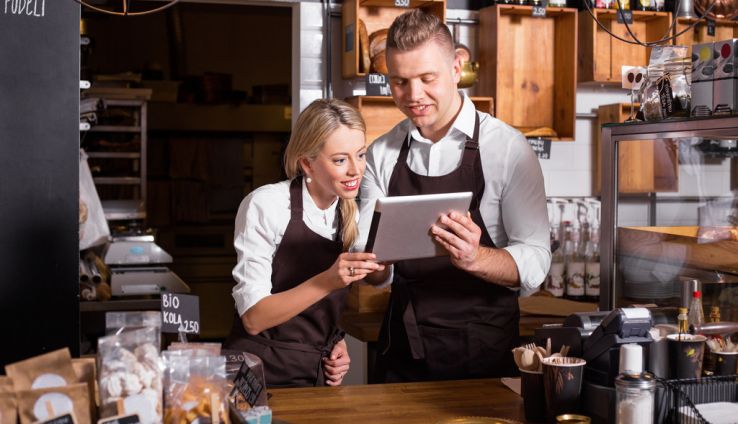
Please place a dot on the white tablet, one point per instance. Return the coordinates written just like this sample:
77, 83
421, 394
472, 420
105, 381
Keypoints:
400, 227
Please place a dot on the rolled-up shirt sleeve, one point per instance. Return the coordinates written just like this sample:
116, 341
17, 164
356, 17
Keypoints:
525, 216
255, 238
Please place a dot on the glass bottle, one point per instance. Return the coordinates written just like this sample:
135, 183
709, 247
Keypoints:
643, 4
624, 4
575, 266
683, 321
592, 268
696, 316
555, 280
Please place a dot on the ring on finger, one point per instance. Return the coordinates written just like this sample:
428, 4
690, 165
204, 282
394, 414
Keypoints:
351, 271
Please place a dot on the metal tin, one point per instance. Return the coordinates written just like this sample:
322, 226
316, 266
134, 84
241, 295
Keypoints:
572, 419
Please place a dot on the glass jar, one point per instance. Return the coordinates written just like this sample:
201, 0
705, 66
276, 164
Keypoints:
634, 398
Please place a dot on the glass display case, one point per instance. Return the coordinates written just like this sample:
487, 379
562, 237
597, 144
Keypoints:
670, 213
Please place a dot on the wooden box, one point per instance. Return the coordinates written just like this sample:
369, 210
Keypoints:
724, 29
376, 15
364, 297
643, 166
602, 56
381, 114
528, 64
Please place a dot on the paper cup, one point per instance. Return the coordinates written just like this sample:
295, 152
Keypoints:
562, 383
725, 363
534, 397
685, 355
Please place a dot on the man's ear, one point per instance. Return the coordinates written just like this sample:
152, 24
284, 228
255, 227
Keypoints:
457, 69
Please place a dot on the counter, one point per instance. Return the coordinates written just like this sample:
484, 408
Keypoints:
405, 403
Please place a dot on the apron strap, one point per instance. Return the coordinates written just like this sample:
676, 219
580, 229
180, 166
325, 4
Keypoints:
409, 322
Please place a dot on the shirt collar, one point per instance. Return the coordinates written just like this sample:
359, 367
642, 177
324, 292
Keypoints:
309, 205
463, 123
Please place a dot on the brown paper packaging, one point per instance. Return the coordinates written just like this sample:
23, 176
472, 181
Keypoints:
28, 400
56, 363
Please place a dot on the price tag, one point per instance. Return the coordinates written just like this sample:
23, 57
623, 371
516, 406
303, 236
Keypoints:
539, 11
710, 27
402, 3
625, 16
248, 384
121, 419
541, 147
377, 85
180, 313
61, 419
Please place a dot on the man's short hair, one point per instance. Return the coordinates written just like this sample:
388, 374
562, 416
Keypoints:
416, 27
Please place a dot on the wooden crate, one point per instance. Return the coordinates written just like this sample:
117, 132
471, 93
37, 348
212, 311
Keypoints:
376, 15
724, 29
528, 64
381, 114
601, 56
643, 166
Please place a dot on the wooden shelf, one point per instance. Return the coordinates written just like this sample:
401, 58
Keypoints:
724, 29
602, 56
117, 180
533, 83
225, 118
376, 15
114, 155
644, 166
381, 114
115, 129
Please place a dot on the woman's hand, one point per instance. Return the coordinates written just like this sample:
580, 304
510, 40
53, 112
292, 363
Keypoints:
336, 365
350, 267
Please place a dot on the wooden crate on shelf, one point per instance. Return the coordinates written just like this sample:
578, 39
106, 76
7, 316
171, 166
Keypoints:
602, 56
381, 114
528, 64
643, 166
376, 15
724, 29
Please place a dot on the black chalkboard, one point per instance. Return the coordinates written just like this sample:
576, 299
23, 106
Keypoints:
39, 173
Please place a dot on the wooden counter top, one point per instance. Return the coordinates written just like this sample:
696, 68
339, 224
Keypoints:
405, 403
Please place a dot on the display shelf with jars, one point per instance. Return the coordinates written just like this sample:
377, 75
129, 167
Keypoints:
602, 56
651, 245
533, 83
724, 29
361, 19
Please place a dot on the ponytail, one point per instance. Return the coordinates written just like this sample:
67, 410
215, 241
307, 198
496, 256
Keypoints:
350, 231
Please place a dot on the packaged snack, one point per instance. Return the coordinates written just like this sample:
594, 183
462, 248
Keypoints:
53, 369
248, 378
258, 415
130, 375
86, 371
195, 388
43, 404
8, 404
213, 349
121, 322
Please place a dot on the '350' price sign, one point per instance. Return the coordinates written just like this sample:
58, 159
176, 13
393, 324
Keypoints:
402, 3
180, 313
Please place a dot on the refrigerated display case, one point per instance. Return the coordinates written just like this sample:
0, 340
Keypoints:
653, 242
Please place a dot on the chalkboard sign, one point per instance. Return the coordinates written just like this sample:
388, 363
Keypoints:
39, 171
61, 419
248, 384
121, 419
180, 313
377, 85
541, 147
625, 16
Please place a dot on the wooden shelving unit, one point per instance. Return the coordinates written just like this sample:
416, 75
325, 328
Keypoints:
528, 64
229, 118
602, 56
644, 166
376, 15
381, 114
724, 29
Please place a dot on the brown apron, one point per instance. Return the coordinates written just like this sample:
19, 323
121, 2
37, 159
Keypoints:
443, 323
292, 352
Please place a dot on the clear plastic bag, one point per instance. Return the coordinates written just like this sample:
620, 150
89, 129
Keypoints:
195, 388
93, 227
131, 375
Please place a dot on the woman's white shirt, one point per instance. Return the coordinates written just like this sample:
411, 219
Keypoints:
260, 225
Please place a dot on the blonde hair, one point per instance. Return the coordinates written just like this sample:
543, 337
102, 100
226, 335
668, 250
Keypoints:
416, 27
313, 126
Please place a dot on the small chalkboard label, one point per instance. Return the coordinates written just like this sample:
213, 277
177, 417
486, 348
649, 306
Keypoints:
348, 41
60, 419
377, 85
710, 27
541, 147
248, 384
402, 3
539, 11
121, 419
180, 313
625, 16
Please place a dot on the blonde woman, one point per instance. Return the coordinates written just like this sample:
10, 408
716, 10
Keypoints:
292, 240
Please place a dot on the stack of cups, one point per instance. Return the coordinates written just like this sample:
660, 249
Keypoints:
634, 388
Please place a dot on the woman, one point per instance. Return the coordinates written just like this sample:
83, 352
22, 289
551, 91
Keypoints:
292, 240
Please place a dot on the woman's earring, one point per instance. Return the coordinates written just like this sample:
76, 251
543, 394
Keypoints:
308, 180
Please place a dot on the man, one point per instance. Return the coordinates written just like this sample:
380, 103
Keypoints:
456, 316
